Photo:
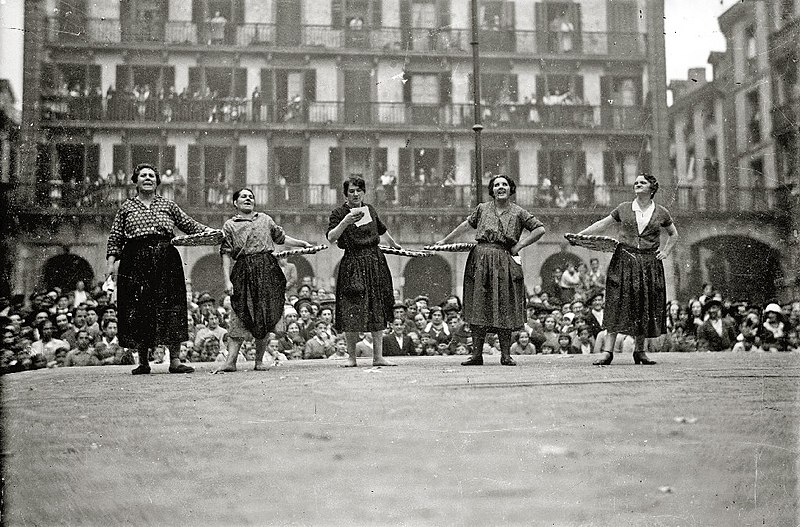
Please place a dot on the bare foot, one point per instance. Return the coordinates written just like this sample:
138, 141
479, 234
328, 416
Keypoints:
382, 362
260, 367
225, 369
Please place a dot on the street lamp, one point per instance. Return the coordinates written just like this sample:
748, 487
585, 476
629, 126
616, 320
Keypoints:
476, 106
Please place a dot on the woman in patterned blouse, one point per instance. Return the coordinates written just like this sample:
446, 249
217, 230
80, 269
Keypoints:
257, 281
636, 295
151, 297
494, 287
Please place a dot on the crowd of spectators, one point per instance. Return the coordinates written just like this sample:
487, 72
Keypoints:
78, 328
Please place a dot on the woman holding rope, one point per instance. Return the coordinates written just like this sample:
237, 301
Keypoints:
494, 287
364, 290
636, 297
257, 281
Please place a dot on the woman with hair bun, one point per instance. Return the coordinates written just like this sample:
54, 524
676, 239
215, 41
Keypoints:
256, 281
494, 286
151, 297
636, 295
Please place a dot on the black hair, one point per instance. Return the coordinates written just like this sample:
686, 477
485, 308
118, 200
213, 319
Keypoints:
653, 183
142, 166
236, 194
511, 184
354, 180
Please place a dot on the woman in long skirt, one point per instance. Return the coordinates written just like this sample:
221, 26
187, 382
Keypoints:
494, 286
636, 297
364, 290
257, 281
151, 297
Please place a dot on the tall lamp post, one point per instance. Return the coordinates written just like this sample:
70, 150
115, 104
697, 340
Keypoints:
476, 104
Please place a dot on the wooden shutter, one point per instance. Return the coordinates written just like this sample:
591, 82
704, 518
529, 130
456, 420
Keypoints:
266, 93
335, 167
379, 165
580, 165
168, 73
337, 16
541, 27
605, 90
542, 165
608, 168
445, 87
513, 87
444, 13
541, 82
194, 176
577, 39
119, 159
407, 87
240, 171
644, 162
577, 83
195, 80
376, 13
92, 161
199, 15
404, 169
93, 77
513, 164
123, 77
240, 83
448, 162
508, 15
310, 86
168, 158
405, 23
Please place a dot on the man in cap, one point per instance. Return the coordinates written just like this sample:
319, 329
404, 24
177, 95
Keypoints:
715, 334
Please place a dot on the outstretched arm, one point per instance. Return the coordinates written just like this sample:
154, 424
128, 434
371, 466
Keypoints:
296, 242
599, 226
390, 241
461, 229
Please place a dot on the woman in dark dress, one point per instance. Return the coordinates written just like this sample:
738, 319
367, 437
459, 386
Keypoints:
257, 281
151, 297
636, 296
494, 287
364, 290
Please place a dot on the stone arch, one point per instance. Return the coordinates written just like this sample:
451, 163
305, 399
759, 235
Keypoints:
430, 276
555, 261
206, 276
64, 271
738, 267
304, 267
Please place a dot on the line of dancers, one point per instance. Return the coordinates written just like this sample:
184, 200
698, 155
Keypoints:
151, 298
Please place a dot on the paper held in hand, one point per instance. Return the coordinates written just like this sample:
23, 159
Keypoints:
366, 218
108, 285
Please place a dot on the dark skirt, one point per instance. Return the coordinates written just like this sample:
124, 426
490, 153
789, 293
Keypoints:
364, 291
258, 292
151, 294
636, 294
494, 288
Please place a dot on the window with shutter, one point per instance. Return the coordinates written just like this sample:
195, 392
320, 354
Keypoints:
194, 176
337, 14
335, 168
119, 159
240, 173
92, 162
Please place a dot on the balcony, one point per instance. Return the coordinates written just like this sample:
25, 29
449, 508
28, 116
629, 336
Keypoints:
106, 31
61, 109
74, 199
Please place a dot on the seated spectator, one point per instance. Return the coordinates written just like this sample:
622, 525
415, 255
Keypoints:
64, 330
523, 345
583, 343
213, 329
773, 330
715, 334
319, 346
83, 353
793, 341
550, 333
274, 349
491, 345
364, 346
397, 343
209, 349
746, 344
437, 328
339, 349
565, 345
107, 348
48, 346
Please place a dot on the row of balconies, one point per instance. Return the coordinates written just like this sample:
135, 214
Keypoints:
57, 108
105, 31
75, 197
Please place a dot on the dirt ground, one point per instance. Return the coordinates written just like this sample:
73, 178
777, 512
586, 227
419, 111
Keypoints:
697, 440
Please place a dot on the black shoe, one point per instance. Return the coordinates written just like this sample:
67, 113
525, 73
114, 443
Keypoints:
605, 359
181, 368
639, 357
140, 370
476, 360
507, 361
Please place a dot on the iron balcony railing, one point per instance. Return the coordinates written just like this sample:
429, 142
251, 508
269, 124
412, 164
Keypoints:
126, 108
98, 195
100, 31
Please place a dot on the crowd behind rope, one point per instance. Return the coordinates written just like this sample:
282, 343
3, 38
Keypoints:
56, 328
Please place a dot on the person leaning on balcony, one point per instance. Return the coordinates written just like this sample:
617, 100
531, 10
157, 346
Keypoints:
494, 286
151, 287
636, 297
364, 290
